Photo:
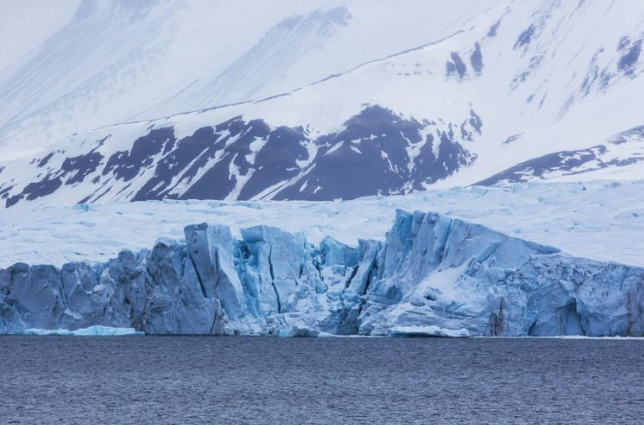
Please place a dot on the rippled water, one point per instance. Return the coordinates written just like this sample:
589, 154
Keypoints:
238, 380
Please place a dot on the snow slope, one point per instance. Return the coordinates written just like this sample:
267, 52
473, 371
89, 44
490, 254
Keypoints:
515, 91
26, 24
121, 60
597, 220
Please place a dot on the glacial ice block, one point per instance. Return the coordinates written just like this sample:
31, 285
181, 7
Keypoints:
433, 275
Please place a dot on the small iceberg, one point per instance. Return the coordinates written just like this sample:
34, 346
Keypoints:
91, 331
303, 332
427, 332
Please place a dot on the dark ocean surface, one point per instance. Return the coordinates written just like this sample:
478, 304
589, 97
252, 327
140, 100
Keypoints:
267, 380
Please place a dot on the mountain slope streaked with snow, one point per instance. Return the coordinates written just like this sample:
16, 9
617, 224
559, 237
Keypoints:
306, 109
121, 60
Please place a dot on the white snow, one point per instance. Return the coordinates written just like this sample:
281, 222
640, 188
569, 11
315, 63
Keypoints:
115, 62
255, 146
388, 53
26, 24
601, 220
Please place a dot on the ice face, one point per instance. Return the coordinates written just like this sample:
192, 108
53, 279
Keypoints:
175, 301
433, 276
211, 250
454, 274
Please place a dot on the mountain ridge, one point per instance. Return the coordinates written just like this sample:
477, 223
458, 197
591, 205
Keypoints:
491, 91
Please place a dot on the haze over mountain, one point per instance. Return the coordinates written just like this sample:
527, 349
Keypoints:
120, 60
321, 100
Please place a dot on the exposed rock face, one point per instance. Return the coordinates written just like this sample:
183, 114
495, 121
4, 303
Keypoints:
621, 150
378, 152
433, 276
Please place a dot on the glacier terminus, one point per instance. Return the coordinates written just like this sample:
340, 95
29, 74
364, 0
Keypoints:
432, 276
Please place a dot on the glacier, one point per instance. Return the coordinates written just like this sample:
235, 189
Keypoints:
433, 275
536, 211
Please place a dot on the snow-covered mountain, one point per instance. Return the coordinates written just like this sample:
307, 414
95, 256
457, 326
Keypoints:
324, 100
119, 60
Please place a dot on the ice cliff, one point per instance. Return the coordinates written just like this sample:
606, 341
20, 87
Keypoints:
432, 276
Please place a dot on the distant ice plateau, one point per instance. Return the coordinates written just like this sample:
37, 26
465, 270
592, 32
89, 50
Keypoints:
597, 220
